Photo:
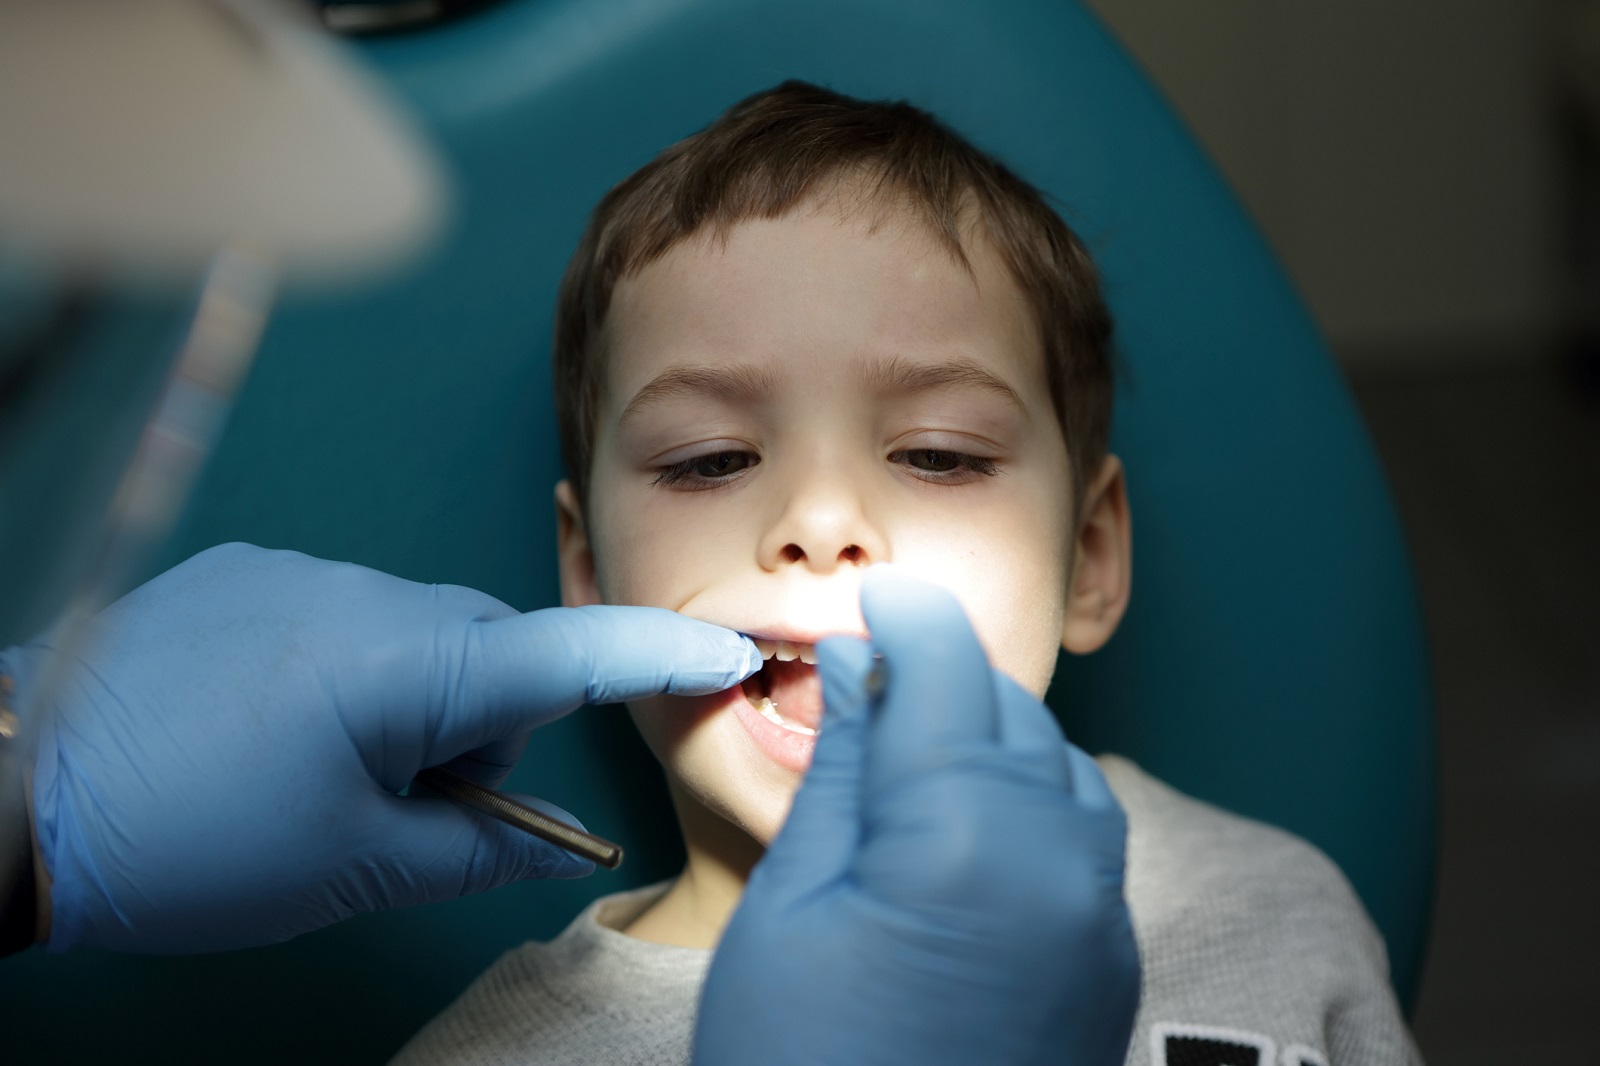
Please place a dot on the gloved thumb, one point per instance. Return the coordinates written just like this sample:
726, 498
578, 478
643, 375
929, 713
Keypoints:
818, 843
442, 850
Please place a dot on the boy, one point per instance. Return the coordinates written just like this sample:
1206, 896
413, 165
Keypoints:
817, 335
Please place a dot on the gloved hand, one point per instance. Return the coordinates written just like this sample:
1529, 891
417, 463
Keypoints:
948, 886
222, 767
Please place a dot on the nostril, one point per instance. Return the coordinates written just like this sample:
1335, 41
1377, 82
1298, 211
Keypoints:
852, 554
793, 553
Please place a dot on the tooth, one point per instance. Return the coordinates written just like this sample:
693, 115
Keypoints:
787, 653
769, 711
765, 647
808, 654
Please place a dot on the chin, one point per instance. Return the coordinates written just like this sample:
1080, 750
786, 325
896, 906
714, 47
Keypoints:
760, 821
744, 785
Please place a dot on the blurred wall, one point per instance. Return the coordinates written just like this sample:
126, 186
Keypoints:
1400, 155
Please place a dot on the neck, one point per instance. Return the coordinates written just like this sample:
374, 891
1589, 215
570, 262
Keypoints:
694, 911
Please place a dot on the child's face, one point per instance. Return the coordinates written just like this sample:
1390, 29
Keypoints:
788, 407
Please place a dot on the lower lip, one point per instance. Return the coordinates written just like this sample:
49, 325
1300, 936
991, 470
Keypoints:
788, 749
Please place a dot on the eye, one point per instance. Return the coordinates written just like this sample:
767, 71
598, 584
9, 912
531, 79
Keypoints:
944, 467
934, 462
706, 471
720, 465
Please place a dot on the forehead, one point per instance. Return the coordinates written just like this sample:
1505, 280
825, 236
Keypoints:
821, 287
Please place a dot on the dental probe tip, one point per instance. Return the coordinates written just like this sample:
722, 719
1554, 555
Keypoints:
469, 793
877, 678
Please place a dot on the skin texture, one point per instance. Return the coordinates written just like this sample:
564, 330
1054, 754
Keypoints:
832, 371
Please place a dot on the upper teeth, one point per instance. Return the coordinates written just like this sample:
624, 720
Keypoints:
786, 651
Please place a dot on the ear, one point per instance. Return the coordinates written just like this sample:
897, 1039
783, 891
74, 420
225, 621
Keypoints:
573, 555
1102, 565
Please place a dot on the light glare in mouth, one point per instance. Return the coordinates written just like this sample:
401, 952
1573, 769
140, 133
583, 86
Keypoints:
769, 711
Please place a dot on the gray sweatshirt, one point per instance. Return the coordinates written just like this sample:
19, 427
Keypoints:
1256, 952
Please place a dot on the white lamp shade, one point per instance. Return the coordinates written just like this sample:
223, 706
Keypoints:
146, 134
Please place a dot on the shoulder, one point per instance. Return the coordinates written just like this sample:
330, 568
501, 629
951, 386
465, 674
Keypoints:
1181, 848
1248, 933
591, 995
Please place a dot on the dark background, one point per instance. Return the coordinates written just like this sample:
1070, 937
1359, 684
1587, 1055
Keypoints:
1429, 173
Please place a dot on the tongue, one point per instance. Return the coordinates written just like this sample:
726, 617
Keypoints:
796, 690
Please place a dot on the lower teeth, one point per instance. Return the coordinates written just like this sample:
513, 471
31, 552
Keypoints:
769, 711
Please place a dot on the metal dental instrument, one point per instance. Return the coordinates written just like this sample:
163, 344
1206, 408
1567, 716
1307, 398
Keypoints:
877, 679
469, 793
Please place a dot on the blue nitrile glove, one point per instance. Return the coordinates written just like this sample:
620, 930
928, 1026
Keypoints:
223, 767
948, 887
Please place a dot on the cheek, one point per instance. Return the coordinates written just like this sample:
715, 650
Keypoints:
654, 556
1009, 570
666, 722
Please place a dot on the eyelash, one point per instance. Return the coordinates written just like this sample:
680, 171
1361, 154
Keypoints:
683, 474
966, 466
684, 471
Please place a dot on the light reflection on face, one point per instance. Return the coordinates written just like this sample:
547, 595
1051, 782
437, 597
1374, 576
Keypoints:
788, 406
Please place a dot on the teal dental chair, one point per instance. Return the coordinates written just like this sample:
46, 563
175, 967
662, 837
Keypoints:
1272, 660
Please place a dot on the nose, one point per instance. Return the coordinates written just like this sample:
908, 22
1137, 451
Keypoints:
823, 526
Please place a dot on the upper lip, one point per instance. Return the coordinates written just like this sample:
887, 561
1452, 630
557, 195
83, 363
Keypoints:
795, 636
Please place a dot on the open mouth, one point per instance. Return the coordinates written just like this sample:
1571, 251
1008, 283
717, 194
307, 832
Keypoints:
786, 690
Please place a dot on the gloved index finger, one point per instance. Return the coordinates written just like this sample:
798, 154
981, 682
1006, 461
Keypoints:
1027, 728
526, 670
634, 652
939, 697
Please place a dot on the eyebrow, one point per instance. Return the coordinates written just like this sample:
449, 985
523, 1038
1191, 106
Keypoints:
731, 384
900, 375
748, 384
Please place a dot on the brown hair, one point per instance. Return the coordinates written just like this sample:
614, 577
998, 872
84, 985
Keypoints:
763, 158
